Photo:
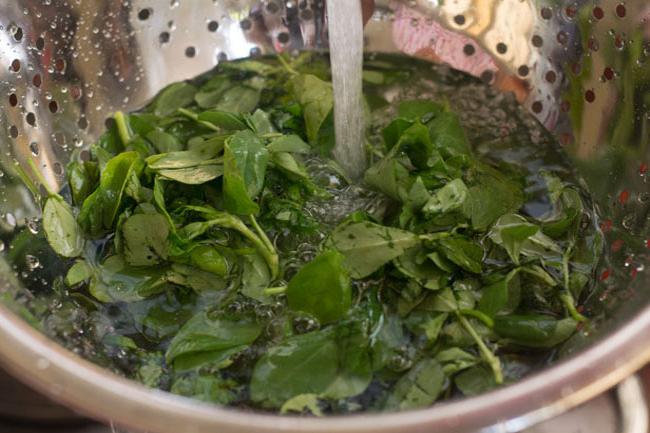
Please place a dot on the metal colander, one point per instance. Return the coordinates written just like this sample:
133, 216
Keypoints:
580, 67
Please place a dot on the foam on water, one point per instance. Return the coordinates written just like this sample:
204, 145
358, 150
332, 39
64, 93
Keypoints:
346, 55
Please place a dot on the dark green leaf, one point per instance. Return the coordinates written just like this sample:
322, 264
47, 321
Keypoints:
210, 340
368, 246
419, 388
463, 252
223, 119
61, 228
537, 331
145, 239
316, 98
321, 288
173, 97
245, 161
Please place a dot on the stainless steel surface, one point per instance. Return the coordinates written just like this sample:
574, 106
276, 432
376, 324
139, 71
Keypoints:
580, 67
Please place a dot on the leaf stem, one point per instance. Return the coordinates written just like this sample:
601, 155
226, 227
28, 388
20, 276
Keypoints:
487, 320
286, 65
122, 127
41, 179
275, 290
187, 113
269, 254
567, 299
486, 353
434, 236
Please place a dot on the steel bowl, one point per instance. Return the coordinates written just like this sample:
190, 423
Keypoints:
579, 67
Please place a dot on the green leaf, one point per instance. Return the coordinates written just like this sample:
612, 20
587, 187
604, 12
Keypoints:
239, 99
287, 163
223, 119
419, 388
210, 340
164, 142
82, 179
289, 143
255, 277
449, 197
534, 330
302, 403
317, 100
193, 175
455, 359
502, 296
491, 196
517, 236
145, 239
415, 142
78, 273
260, 122
115, 281
208, 259
413, 264
100, 209
208, 388
474, 381
245, 161
394, 131
173, 97
447, 134
333, 362
463, 252
391, 177
62, 231
368, 246
417, 109
181, 159
321, 288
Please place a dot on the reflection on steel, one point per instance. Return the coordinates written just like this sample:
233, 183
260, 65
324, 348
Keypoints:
580, 67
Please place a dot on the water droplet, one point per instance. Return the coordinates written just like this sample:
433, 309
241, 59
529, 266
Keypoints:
42, 364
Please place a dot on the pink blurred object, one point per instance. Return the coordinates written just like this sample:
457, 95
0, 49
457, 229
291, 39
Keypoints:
418, 35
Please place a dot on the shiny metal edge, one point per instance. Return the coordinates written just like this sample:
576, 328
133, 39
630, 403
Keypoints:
61, 375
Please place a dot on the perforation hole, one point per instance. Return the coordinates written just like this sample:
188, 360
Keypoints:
246, 24
459, 20
546, 13
598, 13
620, 10
213, 26
13, 100
487, 76
469, 50
15, 65
82, 123
18, 34
537, 107
551, 76
13, 131
164, 37
31, 119
502, 48
40, 43
53, 106
190, 52
37, 80
144, 14
537, 41
590, 96
283, 37
523, 70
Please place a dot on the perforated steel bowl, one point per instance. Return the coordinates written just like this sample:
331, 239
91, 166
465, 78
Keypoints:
580, 67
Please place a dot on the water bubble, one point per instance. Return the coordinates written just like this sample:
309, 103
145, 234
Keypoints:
2, 246
11, 219
32, 225
32, 262
628, 221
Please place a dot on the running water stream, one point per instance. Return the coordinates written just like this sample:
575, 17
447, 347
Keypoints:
345, 25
